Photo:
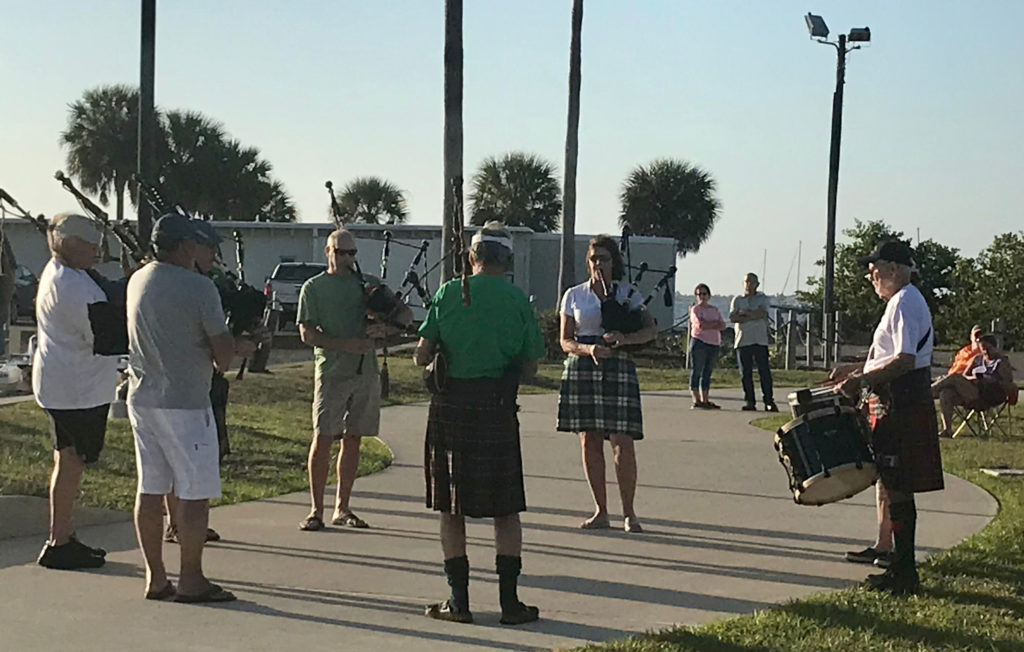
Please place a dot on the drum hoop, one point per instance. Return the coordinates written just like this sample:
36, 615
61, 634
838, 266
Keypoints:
824, 475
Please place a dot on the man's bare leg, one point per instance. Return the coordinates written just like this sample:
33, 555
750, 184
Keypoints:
348, 467
64, 482
149, 526
318, 465
193, 518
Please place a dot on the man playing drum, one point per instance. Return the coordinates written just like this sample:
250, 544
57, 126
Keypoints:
903, 422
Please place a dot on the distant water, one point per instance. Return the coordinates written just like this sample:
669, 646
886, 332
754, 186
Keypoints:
681, 307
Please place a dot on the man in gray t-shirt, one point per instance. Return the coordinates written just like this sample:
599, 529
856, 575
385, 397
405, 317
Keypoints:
750, 314
176, 334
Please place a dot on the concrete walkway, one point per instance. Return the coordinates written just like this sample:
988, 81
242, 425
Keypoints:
722, 538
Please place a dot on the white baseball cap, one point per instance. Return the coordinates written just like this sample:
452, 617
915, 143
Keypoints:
71, 224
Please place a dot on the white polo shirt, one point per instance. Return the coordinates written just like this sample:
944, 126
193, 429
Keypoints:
66, 374
906, 327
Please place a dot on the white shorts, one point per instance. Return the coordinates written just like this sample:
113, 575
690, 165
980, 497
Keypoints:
176, 449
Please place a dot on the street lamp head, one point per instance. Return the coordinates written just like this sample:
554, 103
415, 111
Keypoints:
862, 34
816, 26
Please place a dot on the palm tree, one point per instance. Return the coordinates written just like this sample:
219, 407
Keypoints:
670, 198
518, 189
567, 265
372, 200
101, 140
190, 160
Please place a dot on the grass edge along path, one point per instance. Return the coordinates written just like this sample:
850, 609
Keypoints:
972, 597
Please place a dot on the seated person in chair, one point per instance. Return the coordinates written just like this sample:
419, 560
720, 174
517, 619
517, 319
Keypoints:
961, 361
985, 383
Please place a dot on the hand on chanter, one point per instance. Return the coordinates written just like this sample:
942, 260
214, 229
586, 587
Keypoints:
615, 338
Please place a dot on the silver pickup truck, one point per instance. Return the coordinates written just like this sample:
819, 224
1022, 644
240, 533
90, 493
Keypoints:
282, 291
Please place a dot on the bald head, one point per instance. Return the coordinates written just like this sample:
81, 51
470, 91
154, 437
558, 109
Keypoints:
340, 252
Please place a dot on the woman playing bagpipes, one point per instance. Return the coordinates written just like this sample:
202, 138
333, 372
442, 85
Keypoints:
600, 394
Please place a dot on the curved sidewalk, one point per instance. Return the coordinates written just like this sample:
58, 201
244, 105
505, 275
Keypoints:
722, 537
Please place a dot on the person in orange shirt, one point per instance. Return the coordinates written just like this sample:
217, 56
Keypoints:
961, 362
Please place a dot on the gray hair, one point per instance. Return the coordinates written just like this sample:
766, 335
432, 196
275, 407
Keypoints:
489, 253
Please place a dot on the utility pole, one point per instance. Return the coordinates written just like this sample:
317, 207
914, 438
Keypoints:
452, 133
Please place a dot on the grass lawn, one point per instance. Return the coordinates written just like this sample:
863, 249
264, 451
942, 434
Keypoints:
973, 595
269, 422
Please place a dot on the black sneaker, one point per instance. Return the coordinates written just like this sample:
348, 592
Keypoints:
70, 556
98, 552
771, 407
749, 407
866, 556
884, 559
896, 583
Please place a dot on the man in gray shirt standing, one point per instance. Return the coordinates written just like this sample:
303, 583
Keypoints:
176, 333
750, 314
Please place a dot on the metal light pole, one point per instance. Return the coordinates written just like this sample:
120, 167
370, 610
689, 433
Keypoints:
819, 31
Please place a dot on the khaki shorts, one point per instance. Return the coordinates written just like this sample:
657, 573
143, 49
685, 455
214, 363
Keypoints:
347, 406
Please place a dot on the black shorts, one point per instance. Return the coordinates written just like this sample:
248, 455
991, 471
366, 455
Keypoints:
84, 429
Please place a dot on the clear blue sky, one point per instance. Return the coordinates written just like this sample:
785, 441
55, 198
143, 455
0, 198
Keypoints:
933, 137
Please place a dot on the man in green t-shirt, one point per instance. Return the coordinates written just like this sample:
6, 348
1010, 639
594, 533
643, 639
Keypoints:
474, 464
332, 319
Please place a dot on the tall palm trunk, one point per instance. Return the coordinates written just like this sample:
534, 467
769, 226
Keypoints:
452, 130
567, 266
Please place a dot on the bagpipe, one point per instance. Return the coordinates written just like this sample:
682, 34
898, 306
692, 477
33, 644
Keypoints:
37, 221
8, 261
619, 315
243, 304
120, 229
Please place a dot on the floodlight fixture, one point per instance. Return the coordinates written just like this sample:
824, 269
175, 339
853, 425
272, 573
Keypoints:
862, 34
816, 26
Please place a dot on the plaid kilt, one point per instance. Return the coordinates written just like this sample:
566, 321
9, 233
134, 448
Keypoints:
472, 460
904, 436
603, 398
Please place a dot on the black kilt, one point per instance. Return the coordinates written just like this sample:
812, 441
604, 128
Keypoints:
904, 434
472, 460
600, 398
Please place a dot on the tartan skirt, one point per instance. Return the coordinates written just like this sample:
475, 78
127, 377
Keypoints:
472, 460
905, 440
600, 398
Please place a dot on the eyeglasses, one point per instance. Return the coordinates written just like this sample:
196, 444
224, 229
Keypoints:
345, 252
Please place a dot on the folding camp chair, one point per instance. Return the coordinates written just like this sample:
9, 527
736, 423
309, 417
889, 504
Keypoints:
983, 419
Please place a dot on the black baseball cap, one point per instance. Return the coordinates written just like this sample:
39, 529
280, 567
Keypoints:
892, 251
172, 228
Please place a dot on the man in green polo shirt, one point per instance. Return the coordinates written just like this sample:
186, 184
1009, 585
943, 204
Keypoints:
346, 389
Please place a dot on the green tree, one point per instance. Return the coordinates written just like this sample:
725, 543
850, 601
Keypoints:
372, 200
671, 198
101, 141
1000, 285
518, 189
856, 301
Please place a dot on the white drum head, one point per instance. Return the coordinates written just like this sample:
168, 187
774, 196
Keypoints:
842, 482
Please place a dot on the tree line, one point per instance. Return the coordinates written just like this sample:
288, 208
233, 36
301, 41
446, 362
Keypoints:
199, 166
961, 290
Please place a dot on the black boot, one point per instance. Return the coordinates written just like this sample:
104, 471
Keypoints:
455, 608
901, 578
513, 612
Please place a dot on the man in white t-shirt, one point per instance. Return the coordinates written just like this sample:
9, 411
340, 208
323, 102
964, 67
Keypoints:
176, 333
750, 314
71, 381
903, 422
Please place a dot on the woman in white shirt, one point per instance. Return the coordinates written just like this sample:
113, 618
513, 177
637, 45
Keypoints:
600, 394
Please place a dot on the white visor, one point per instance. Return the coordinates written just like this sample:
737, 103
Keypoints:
479, 236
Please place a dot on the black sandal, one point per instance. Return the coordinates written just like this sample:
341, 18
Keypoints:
311, 523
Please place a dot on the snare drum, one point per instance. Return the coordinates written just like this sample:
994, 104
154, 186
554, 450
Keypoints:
808, 400
826, 454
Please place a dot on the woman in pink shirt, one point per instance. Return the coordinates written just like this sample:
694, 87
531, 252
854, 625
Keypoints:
706, 326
